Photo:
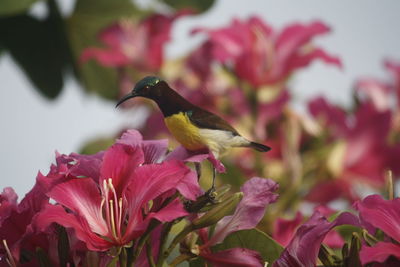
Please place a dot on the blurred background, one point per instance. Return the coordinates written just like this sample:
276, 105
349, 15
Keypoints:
55, 99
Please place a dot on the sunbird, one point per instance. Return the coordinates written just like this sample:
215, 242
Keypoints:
193, 127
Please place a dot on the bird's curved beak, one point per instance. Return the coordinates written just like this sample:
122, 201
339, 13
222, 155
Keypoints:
128, 96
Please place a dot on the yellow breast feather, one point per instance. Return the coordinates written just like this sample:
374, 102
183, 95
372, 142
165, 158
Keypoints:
184, 131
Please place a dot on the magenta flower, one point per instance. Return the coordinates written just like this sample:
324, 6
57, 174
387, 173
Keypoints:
263, 56
385, 215
257, 194
118, 208
302, 251
129, 43
17, 227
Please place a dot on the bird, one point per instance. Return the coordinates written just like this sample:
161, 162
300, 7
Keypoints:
193, 127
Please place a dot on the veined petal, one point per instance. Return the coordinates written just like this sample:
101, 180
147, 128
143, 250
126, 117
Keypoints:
379, 253
82, 196
131, 138
154, 150
119, 162
235, 257
258, 193
147, 183
382, 214
57, 214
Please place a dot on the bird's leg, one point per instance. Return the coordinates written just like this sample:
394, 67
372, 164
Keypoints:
211, 192
198, 170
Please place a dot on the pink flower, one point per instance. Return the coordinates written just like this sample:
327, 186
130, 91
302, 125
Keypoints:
303, 249
385, 215
139, 45
116, 210
262, 56
284, 229
366, 150
257, 194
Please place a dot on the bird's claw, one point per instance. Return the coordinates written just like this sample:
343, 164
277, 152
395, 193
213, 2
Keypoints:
211, 195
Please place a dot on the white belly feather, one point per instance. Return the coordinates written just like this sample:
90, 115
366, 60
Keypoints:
219, 140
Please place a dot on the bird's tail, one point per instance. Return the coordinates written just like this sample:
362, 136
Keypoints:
260, 147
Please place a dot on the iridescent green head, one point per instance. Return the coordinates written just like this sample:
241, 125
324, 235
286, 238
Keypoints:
145, 88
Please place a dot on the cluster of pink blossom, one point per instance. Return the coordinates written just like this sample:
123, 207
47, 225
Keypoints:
118, 207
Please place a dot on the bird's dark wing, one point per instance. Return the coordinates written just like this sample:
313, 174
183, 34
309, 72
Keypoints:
205, 119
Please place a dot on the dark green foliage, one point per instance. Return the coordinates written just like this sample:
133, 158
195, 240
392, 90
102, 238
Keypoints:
13, 7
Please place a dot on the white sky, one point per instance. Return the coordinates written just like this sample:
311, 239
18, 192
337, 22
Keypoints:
364, 33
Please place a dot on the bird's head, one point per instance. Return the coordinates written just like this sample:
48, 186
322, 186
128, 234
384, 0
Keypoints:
146, 87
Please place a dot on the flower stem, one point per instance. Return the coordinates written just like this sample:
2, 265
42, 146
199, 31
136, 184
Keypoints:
123, 258
149, 254
173, 244
164, 236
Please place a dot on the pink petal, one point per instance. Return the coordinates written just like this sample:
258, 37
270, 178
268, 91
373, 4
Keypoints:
327, 191
382, 214
284, 229
57, 214
8, 195
235, 257
303, 60
377, 92
170, 212
119, 162
332, 115
82, 196
297, 35
153, 150
333, 240
131, 138
8, 203
304, 247
190, 188
379, 253
147, 183
82, 165
258, 193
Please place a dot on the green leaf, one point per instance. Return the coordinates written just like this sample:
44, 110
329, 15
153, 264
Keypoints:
88, 19
253, 239
34, 45
197, 6
14, 7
